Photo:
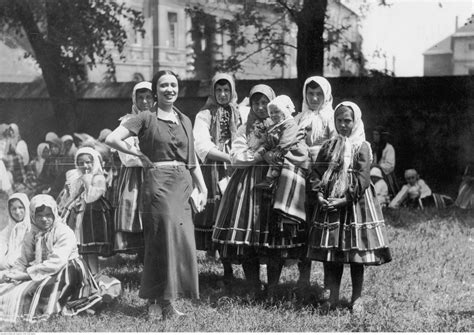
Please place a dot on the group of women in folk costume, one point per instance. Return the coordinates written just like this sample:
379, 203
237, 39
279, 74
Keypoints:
342, 221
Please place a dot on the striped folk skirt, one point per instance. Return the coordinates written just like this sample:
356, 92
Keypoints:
353, 234
204, 221
93, 226
252, 221
128, 221
69, 292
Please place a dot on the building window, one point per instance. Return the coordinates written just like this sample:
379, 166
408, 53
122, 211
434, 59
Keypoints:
173, 29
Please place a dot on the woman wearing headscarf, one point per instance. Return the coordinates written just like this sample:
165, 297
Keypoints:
384, 157
128, 221
16, 157
69, 148
85, 209
240, 224
316, 123
6, 178
49, 277
52, 177
11, 237
17, 145
214, 130
347, 226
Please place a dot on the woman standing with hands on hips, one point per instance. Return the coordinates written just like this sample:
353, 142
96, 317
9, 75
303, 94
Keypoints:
167, 152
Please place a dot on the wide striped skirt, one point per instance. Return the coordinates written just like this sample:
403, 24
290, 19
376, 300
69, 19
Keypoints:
204, 221
69, 292
353, 234
128, 221
248, 221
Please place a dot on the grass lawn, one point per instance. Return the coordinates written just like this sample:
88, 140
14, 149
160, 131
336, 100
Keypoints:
428, 287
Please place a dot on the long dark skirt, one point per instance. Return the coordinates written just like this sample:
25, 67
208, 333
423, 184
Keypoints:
170, 265
93, 226
128, 221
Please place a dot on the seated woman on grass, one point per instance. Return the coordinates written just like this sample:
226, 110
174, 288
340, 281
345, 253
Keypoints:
11, 237
49, 277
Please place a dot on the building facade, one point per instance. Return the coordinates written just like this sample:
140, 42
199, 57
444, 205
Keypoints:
452, 56
193, 47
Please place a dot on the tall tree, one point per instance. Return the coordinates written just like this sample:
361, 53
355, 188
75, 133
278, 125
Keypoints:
309, 17
66, 36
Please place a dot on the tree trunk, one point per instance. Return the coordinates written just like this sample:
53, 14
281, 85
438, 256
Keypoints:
310, 41
60, 89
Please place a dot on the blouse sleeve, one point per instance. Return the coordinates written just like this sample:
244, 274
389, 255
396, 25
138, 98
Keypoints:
64, 243
399, 198
135, 123
96, 189
388, 159
425, 190
4, 237
22, 150
27, 253
241, 154
202, 136
361, 173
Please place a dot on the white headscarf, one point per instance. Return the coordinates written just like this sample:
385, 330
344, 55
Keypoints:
96, 158
39, 162
317, 120
51, 136
343, 151
17, 230
284, 104
139, 86
73, 149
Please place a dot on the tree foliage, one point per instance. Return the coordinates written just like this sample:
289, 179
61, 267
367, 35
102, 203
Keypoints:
65, 36
315, 34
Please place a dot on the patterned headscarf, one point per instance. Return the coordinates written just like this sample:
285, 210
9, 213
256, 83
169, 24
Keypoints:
252, 117
309, 117
342, 150
217, 110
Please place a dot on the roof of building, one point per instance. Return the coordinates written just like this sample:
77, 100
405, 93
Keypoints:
445, 46
442, 47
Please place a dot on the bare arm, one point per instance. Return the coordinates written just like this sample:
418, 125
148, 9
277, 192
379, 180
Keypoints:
217, 155
198, 180
116, 140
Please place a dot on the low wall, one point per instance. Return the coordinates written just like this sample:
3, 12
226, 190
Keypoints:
431, 119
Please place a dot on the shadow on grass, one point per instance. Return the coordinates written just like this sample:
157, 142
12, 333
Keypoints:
240, 292
408, 217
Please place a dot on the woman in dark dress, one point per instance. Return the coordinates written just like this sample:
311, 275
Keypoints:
170, 167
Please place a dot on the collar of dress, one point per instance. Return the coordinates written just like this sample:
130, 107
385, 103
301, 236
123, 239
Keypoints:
167, 116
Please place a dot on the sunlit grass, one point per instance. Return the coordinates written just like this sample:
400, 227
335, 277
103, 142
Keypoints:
428, 287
